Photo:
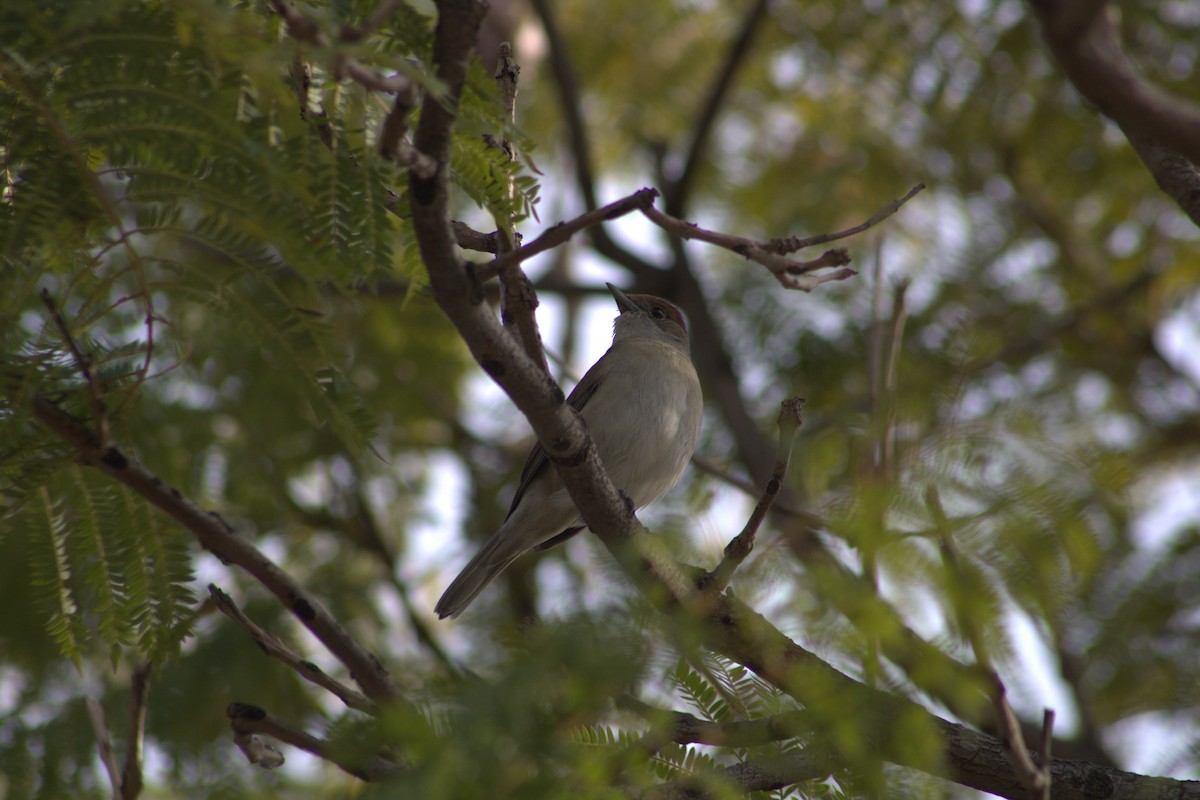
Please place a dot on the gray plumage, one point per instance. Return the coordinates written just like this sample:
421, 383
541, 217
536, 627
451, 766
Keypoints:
642, 405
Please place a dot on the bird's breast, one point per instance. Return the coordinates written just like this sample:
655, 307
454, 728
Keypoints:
645, 417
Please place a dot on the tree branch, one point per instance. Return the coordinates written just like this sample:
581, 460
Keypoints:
558, 427
1163, 128
739, 548
729, 627
273, 646
793, 243
1036, 779
569, 97
104, 744
677, 193
131, 773
217, 536
246, 720
303, 29
561, 233
791, 274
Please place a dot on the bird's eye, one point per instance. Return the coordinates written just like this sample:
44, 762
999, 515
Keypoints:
658, 313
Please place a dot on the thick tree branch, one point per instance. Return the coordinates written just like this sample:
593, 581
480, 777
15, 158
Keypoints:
1164, 129
558, 427
729, 627
217, 536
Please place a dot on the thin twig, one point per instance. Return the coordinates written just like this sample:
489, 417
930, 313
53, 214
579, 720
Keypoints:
1035, 778
790, 420
84, 363
790, 273
131, 774
246, 720
392, 143
302, 84
104, 743
217, 536
518, 299
273, 646
374, 542
559, 234
303, 29
793, 243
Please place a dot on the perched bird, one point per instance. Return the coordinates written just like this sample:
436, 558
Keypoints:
642, 405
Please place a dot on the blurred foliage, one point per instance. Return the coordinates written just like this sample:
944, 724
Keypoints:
253, 315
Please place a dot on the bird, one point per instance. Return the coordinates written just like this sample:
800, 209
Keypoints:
642, 404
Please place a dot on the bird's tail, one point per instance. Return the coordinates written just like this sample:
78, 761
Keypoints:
495, 555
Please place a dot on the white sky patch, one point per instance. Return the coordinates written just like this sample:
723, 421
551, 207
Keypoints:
1033, 681
1178, 338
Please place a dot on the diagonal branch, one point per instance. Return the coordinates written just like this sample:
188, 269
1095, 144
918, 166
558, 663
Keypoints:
793, 243
246, 720
218, 537
1036, 779
273, 646
790, 273
572, 107
561, 233
726, 625
678, 192
1164, 129
739, 548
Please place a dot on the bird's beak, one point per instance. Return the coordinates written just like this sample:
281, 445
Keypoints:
623, 302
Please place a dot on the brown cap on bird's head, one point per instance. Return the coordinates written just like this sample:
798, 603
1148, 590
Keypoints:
665, 316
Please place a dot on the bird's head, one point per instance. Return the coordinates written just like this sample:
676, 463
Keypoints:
644, 315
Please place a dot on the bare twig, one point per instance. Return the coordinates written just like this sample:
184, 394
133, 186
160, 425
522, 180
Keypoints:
393, 145
246, 720
217, 536
793, 243
86, 366
1035, 778
791, 274
131, 774
559, 234
302, 83
507, 73
303, 29
273, 646
104, 744
739, 548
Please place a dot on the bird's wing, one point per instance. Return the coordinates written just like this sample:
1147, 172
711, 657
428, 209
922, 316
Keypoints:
537, 461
